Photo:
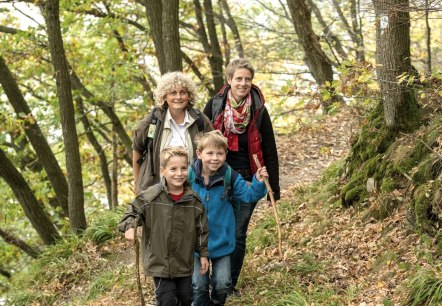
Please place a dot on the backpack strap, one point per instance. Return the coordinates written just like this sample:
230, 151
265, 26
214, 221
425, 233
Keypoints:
151, 133
228, 188
217, 105
199, 120
191, 176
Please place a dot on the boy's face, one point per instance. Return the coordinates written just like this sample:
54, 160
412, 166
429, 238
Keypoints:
212, 159
175, 173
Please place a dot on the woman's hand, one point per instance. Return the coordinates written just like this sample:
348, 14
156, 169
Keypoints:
261, 174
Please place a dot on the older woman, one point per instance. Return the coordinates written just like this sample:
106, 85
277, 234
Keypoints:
174, 122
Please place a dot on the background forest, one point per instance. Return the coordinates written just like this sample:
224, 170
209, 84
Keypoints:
77, 76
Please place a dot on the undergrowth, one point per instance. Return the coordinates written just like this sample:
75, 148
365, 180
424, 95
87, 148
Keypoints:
67, 266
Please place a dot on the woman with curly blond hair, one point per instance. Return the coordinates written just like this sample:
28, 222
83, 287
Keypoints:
174, 122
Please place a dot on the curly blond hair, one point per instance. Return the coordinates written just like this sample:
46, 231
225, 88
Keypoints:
168, 82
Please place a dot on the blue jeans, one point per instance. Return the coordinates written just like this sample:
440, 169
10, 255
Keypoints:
242, 219
217, 277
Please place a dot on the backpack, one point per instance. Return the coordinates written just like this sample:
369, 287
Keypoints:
228, 190
152, 131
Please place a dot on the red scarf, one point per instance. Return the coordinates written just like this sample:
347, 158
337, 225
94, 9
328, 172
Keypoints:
236, 118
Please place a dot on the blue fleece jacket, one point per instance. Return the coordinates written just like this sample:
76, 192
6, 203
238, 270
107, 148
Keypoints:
218, 208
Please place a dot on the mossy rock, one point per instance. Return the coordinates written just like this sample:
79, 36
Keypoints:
425, 219
354, 191
429, 169
367, 157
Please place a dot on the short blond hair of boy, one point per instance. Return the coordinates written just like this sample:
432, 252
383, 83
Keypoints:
168, 152
213, 138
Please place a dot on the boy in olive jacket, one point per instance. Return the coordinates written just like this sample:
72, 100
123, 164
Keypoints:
174, 227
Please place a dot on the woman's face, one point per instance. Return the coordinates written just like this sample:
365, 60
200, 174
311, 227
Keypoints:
177, 99
241, 83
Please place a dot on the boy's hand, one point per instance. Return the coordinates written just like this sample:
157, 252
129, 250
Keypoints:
261, 173
130, 234
204, 265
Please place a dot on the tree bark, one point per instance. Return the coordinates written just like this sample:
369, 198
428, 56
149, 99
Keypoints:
114, 186
427, 24
36, 137
77, 216
393, 60
171, 36
17, 242
317, 61
32, 208
164, 25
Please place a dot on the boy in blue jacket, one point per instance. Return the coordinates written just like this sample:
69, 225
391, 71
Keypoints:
210, 169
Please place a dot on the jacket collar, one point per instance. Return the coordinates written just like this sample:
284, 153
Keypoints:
218, 176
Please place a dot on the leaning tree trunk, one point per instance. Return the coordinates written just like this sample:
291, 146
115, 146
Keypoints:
77, 216
315, 58
393, 60
36, 137
17, 242
32, 208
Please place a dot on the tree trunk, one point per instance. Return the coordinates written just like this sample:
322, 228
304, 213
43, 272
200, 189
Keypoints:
329, 36
319, 64
393, 60
357, 29
171, 36
17, 242
163, 21
427, 23
114, 188
97, 147
36, 137
67, 114
32, 208
353, 30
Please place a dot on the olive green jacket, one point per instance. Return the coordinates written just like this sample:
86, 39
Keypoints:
172, 231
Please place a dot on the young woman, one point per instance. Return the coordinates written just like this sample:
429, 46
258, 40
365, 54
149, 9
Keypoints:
238, 111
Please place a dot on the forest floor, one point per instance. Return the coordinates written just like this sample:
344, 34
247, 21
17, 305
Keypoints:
364, 261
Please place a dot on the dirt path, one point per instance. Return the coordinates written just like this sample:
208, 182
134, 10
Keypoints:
305, 153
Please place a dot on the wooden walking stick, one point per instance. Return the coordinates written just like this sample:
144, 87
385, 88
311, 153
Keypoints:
137, 261
275, 212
